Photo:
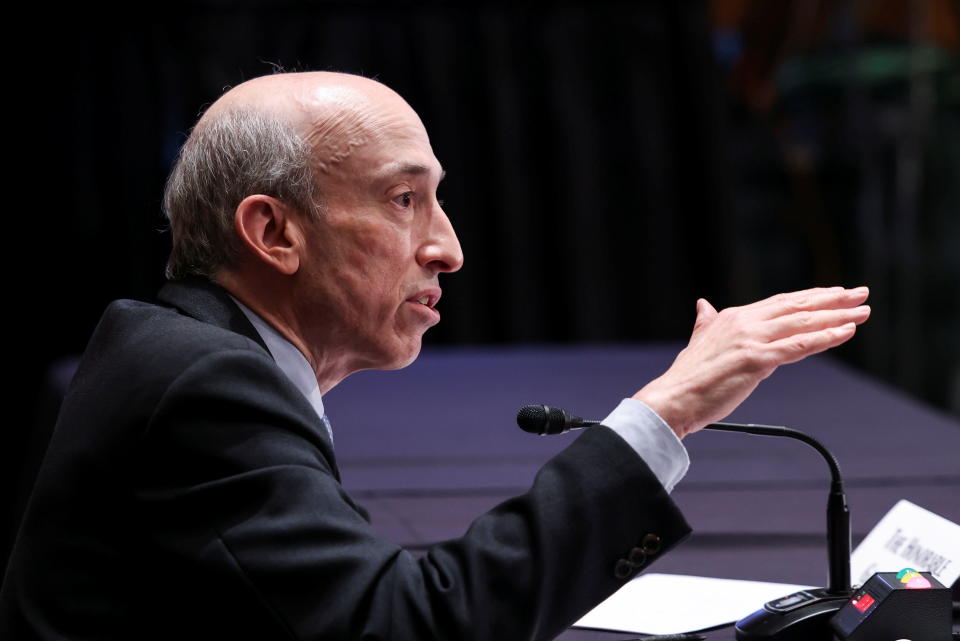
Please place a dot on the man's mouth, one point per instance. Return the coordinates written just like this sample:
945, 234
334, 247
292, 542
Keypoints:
427, 297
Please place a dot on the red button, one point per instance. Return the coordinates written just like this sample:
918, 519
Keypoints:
863, 603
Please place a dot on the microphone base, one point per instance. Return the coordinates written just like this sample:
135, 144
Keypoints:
802, 616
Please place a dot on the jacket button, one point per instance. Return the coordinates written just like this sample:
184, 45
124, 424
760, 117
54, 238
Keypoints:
651, 544
637, 557
622, 569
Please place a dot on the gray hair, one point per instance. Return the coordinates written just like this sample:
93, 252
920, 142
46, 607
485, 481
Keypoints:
235, 154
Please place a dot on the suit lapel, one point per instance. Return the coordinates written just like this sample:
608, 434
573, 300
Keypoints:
206, 301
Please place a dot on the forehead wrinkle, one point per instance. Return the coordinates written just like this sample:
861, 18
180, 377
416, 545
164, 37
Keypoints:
340, 120
344, 126
335, 135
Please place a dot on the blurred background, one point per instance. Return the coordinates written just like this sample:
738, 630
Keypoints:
608, 162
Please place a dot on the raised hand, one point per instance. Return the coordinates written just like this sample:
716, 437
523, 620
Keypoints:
731, 351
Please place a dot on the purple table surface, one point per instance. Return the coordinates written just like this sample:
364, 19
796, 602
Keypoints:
447, 421
429, 448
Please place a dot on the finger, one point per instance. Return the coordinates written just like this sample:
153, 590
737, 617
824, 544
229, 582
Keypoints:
811, 299
705, 313
779, 298
805, 322
799, 346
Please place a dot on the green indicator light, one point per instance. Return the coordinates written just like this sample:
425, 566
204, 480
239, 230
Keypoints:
904, 571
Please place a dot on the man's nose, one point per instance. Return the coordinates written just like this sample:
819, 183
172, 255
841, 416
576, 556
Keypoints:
441, 250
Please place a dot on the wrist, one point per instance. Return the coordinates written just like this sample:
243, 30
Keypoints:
660, 400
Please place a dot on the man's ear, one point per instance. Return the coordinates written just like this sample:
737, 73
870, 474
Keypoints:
271, 232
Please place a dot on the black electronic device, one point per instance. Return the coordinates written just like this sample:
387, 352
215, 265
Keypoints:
801, 616
896, 605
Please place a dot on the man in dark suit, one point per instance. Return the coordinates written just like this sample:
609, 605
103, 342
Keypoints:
191, 488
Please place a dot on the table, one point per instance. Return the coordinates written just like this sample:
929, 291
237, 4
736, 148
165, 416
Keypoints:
756, 504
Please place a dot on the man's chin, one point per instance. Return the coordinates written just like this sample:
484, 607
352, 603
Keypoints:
402, 358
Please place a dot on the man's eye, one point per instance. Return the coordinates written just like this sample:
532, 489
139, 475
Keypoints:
405, 199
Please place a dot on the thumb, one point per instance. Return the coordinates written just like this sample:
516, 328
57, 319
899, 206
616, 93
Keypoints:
705, 313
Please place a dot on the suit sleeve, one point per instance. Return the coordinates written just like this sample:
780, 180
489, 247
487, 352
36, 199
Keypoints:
238, 483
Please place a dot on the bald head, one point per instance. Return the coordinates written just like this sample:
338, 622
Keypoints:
282, 135
335, 113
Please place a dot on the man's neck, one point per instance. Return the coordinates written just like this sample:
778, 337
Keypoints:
276, 310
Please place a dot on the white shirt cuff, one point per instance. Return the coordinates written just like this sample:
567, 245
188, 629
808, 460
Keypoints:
652, 440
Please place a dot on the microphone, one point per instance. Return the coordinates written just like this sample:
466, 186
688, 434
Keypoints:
799, 616
543, 420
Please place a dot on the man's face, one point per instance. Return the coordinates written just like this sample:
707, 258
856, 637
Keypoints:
371, 272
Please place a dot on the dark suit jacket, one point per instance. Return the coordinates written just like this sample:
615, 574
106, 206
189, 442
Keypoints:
189, 491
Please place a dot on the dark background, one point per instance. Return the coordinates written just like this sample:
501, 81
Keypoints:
608, 163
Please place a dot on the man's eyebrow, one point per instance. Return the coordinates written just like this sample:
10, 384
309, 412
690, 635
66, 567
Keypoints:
408, 169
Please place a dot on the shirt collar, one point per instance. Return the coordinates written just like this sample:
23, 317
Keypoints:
289, 359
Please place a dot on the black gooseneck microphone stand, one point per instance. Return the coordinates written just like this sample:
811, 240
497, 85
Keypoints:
803, 616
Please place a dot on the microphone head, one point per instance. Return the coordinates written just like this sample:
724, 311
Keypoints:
542, 419
532, 418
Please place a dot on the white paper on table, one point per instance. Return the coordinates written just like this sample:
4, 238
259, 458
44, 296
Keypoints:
675, 603
909, 536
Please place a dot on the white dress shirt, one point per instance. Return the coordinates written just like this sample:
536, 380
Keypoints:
633, 420
652, 439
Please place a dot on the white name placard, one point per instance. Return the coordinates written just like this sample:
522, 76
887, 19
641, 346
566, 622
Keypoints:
909, 536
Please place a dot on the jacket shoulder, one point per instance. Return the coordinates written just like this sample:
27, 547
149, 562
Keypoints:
143, 343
